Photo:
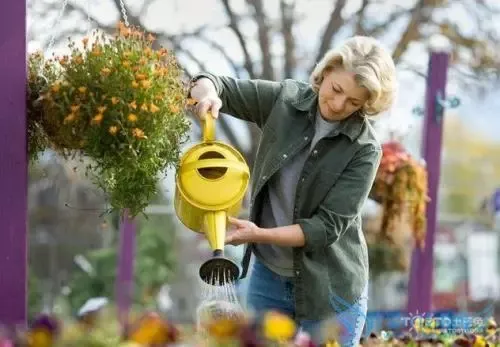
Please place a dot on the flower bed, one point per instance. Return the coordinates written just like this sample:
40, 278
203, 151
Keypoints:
401, 187
273, 329
117, 102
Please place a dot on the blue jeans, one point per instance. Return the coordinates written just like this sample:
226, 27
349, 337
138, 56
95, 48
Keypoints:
269, 291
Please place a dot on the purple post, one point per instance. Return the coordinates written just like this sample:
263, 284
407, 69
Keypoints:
125, 278
422, 266
13, 164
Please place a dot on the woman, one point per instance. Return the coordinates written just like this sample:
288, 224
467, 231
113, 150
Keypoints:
315, 166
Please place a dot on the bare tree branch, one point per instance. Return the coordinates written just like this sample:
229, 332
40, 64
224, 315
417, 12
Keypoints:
287, 23
233, 25
334, 24
360, 30
260, 18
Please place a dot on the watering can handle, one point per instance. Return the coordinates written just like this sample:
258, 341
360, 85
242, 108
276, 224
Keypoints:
208, 128
208, 163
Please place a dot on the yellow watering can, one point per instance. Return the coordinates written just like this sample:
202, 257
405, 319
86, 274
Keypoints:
211, 183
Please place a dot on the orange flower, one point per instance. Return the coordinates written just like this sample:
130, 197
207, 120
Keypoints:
115, 100
85, 41
174, 108
82, 89
126, 63
153, 108
146, 83
56, 87
138, 133
143, 61
135, 84
101, 109
105, 71
140, 76
144, 107
132, 118
78, 59
75, 108
96, 52
133, 105
97, 119
150, 37
69, 118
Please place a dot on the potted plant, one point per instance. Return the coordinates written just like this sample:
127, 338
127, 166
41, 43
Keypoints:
401, 188
119, 103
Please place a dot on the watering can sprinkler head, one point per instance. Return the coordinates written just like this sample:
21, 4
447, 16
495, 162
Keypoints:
219, 270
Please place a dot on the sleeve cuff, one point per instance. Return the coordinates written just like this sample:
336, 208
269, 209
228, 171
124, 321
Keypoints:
314, 233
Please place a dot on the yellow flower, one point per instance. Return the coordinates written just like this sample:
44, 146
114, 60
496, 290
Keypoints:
224, 328
138, 133
143, 61
144, 107
101, 109
82, 89
135, 84
132, 118
278, 326
127, 54
97, 118
113, 129
115, 100
140, 76
126, 63
133, 105
75, 108
153, 108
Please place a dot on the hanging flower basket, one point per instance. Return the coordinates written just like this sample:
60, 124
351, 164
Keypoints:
120, 103
40, 76
401, 187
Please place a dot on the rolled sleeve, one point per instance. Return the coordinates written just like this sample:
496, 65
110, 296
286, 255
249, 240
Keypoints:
342, 205
247, 99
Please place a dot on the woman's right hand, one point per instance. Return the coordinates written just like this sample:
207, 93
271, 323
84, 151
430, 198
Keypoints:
207, 100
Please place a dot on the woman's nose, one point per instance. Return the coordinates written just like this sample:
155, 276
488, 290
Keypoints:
337, 104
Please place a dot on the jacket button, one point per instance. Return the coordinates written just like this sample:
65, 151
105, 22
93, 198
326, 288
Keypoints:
264, 177
297, 272
285, 156
315, 152
306, 138
302, 179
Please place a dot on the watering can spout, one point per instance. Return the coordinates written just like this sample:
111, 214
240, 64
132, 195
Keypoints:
215, 229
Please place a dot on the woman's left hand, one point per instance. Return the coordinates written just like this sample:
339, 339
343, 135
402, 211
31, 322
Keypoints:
243, 231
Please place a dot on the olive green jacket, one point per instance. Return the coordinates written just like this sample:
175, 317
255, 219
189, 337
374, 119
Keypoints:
335, 182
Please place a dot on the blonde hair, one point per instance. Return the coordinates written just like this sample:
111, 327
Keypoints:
373, 68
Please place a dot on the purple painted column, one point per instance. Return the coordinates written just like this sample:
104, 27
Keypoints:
422, 266
125, 277
13, 163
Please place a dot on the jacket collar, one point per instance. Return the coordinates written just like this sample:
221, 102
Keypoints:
307, 100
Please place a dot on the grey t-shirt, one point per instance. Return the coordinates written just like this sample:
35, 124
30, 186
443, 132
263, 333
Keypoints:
278, 204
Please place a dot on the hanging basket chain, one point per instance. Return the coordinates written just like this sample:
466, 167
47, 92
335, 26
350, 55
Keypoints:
124, 12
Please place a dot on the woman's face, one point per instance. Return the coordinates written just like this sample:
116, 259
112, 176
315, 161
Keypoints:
339, 95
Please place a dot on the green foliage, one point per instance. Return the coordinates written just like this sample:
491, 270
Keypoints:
154, 265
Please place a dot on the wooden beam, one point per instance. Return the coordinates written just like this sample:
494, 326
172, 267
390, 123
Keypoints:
422, 268
13, 164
